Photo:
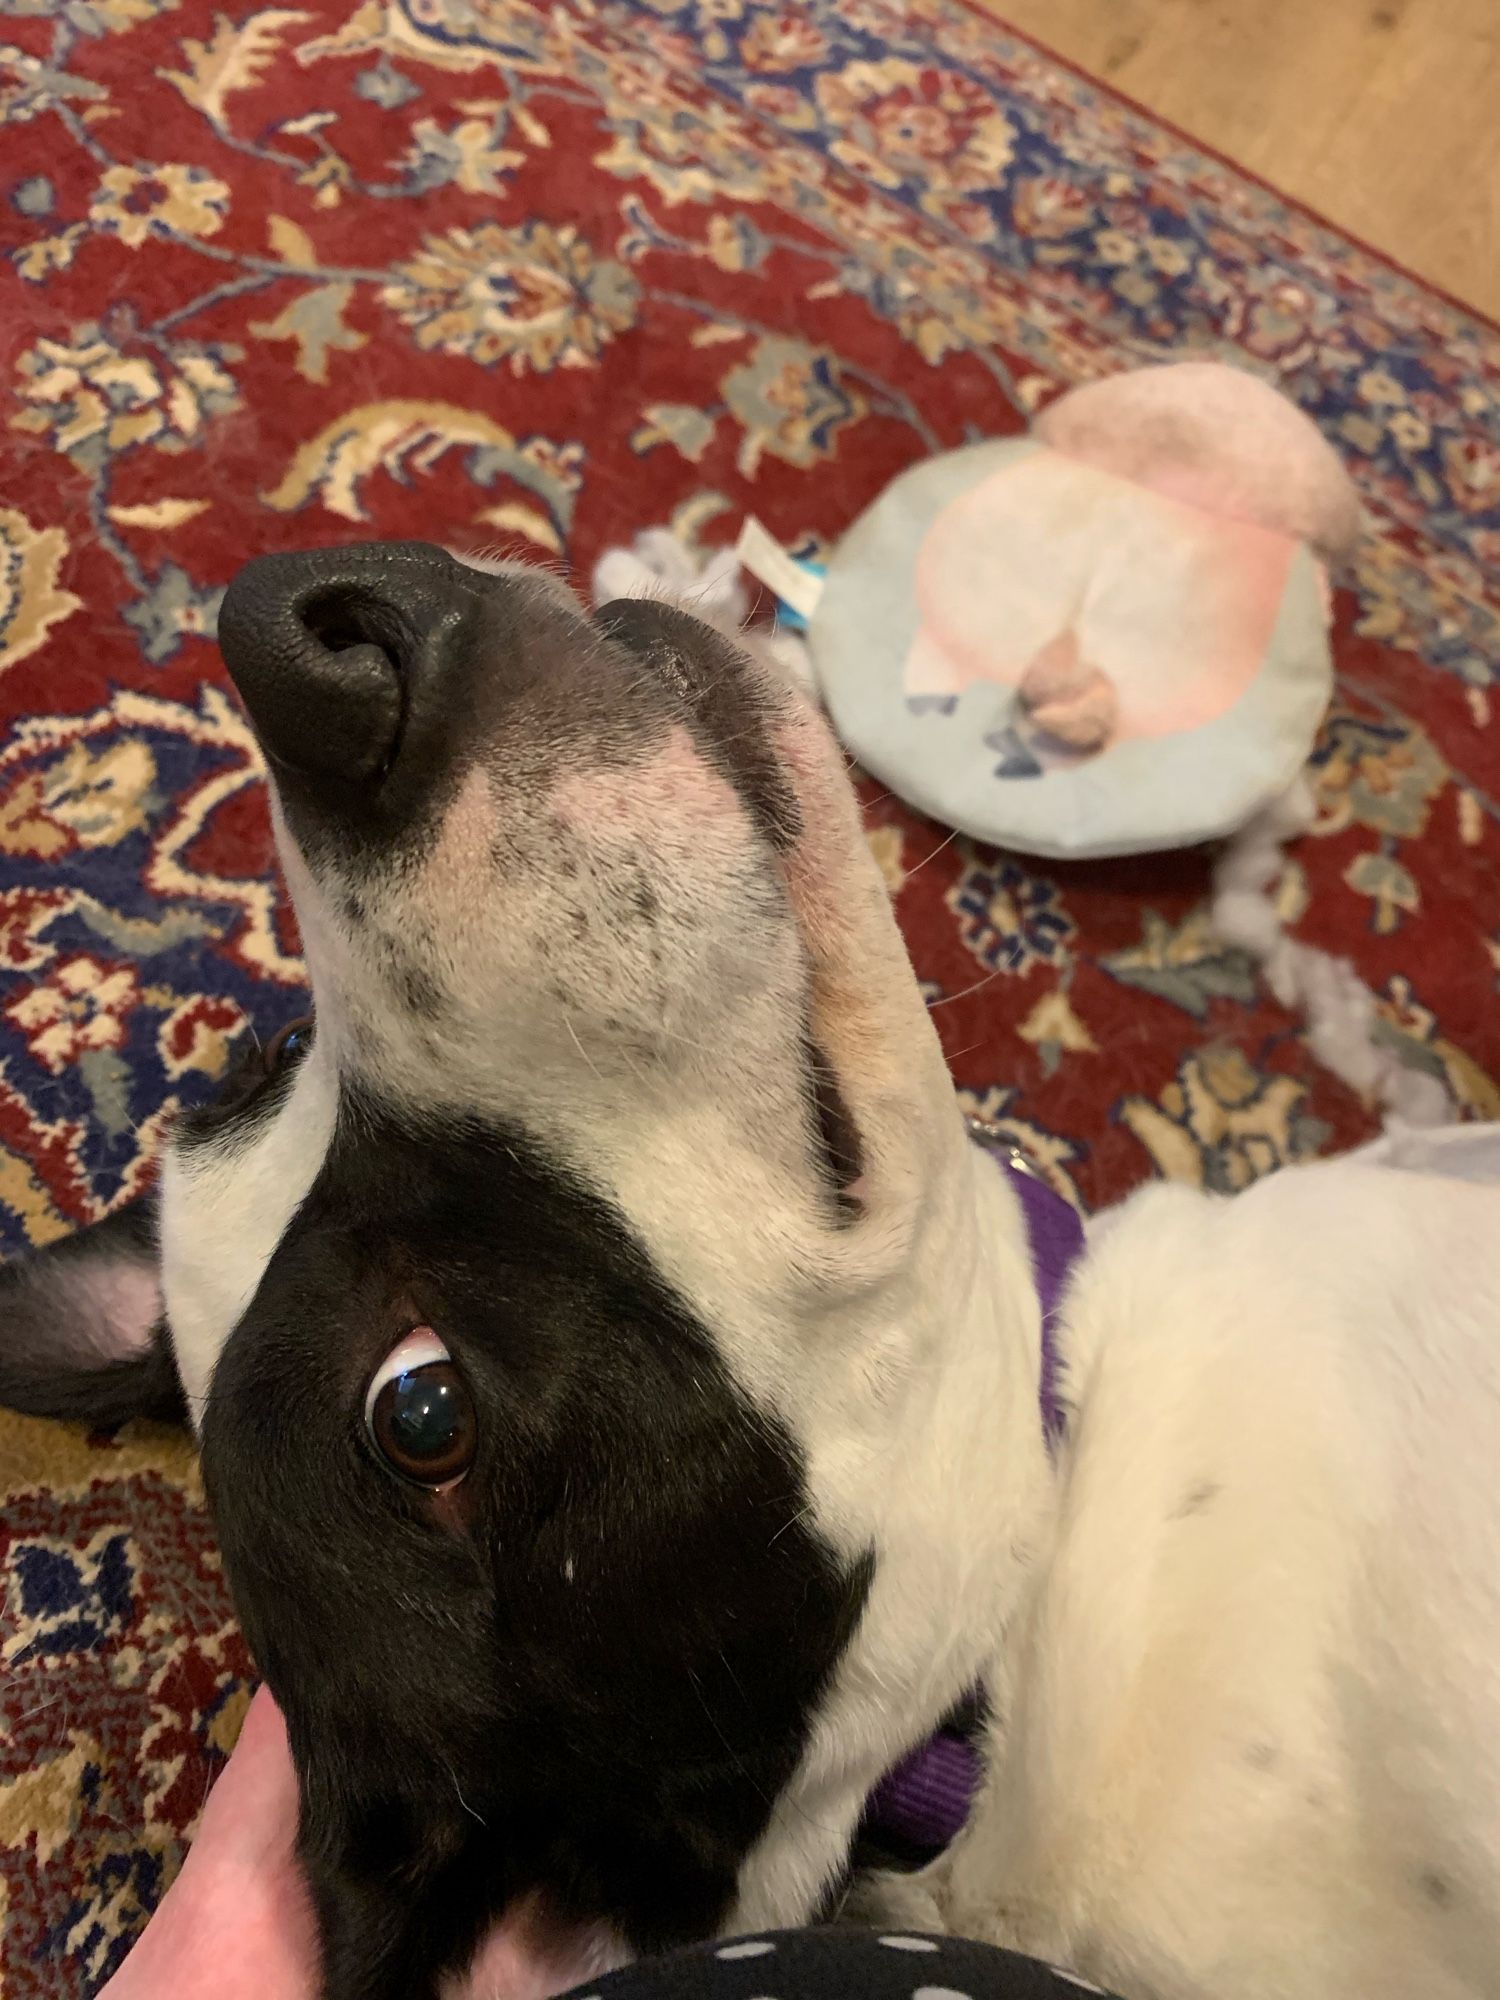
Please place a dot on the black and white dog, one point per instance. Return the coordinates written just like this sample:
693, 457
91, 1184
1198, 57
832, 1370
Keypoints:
617, 1375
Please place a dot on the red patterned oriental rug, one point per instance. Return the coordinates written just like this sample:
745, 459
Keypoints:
543, 274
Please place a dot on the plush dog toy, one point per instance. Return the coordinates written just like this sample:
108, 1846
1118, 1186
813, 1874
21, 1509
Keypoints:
1107, 637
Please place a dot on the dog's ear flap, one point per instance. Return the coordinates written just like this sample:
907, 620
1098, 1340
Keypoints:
81, 1328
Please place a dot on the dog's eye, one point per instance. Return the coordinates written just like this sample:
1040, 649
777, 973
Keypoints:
419, 1414
288, 1045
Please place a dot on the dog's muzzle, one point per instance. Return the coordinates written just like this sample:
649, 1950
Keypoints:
375, 674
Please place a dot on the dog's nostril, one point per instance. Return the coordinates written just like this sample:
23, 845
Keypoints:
347, 617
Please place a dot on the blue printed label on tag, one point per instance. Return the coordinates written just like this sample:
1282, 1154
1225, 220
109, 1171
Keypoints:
788, 615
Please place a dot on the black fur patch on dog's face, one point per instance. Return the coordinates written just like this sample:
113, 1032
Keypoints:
586, 1671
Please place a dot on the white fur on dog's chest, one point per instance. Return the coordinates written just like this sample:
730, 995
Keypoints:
1253, 1748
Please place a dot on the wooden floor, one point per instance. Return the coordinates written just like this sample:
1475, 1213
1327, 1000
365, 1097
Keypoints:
1383, 115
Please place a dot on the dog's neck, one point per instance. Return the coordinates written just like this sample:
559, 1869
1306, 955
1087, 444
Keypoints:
960, 1498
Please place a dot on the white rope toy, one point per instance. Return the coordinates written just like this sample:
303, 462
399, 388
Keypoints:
1329, 994
659, 564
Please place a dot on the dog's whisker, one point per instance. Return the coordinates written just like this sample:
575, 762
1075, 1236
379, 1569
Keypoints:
787, 1526
463, 1801
1000, 972
941, 848
735, 1757
573, 1037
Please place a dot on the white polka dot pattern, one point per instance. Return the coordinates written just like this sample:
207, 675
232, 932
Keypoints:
825, 1964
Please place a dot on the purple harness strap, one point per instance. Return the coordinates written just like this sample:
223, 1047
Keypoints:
1055, 1231
925, 1801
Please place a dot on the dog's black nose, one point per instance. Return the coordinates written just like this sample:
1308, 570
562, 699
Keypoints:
328, 648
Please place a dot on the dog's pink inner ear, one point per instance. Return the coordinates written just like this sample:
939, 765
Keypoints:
81, 1325
85, 1300
114, 1307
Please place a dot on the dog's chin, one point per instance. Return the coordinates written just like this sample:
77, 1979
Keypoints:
528, 1956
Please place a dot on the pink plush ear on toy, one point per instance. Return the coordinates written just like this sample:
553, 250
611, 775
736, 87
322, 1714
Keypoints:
1217, 439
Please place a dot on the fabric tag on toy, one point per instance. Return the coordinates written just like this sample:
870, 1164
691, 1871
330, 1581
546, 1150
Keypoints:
795, 582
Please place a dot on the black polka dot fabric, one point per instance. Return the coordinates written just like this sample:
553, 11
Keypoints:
839, 1963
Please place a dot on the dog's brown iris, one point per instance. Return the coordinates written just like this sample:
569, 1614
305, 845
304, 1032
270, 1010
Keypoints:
422, 1424
288, 1044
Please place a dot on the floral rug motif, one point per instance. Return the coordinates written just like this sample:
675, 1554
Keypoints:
540, 273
